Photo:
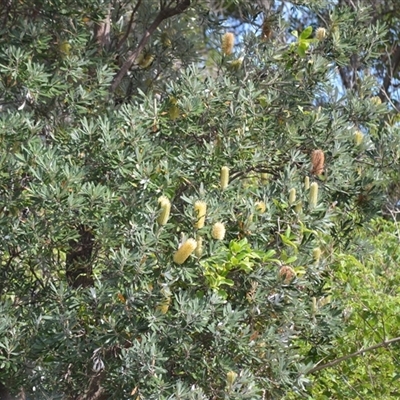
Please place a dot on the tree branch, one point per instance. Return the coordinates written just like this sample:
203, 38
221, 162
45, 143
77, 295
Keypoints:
355, 354
165, 13
130, 24
394, 63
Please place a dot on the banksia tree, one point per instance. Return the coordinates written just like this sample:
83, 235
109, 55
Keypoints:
94, 294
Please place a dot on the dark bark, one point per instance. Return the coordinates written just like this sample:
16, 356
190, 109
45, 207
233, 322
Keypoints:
79, 259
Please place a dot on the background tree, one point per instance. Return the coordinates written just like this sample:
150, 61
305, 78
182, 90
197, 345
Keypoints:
113, 144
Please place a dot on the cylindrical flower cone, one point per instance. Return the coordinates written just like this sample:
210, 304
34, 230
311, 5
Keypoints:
292, 195
298, 207
165, 206
224, 179
260, 206
320, 34
163, 306
313, 194
231, 378
199, 248
358, 137
227, 42
264, 177
306, 183
186, 249
218, 231
317, 253
200, 208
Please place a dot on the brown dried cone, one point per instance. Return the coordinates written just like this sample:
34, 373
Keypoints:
317, 161
287, 274
266, 30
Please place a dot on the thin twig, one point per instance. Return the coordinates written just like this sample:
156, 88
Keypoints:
355, 354
130, 24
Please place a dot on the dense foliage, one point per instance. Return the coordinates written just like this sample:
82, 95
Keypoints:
122, 138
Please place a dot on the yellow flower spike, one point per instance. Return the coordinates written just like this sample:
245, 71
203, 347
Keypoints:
260, 206
313, 194
165, 206
376, 100
186, 249
165, 40
298, 208
224, 179
231, 378
199, 248
317, 253
264, 178
65, 48
218, 231
145, 61
314, 306
358, 137
320, 34
306, 183
163, 305
227, 42
236, 64
200, 208
173, 112
292, 195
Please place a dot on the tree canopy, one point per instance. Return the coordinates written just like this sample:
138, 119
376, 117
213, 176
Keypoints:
184, 189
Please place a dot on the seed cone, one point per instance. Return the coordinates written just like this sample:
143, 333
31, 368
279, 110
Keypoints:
185, 251
317, 161
287, 274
